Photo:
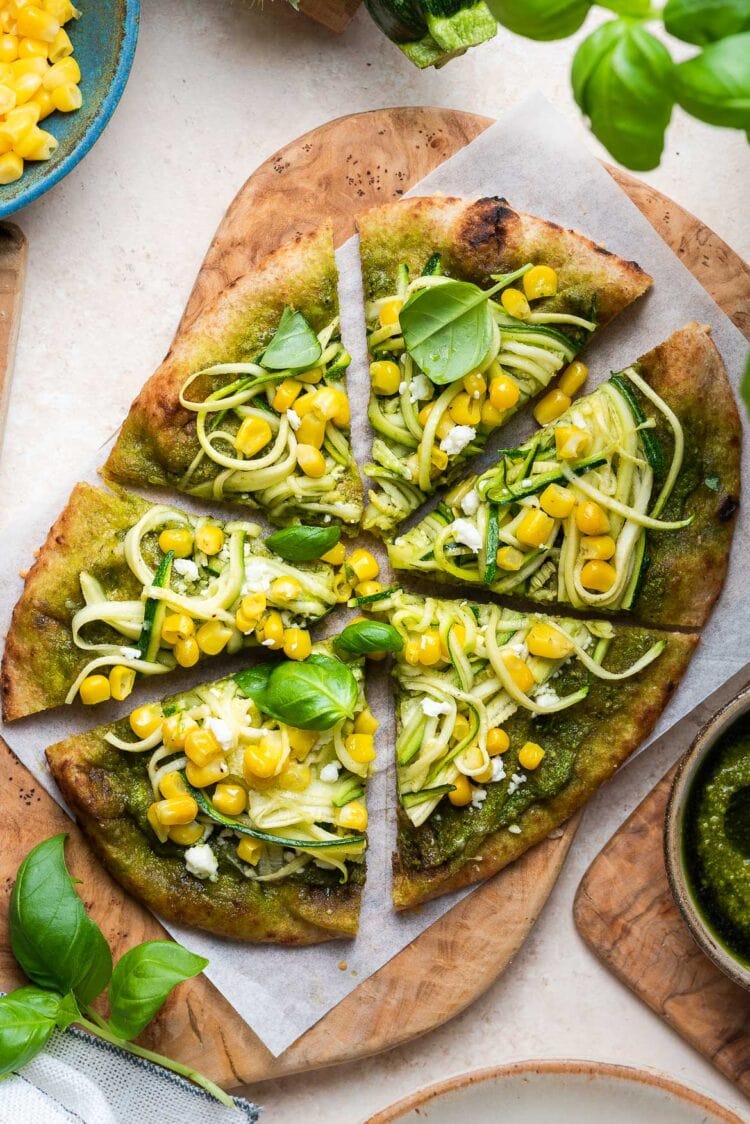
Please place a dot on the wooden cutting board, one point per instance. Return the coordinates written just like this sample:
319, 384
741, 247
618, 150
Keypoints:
625, 912
336, 171
13, 253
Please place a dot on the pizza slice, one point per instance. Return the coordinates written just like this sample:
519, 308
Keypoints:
626, 501
472, 308
123, 588
250, 404
507, 723
237, 807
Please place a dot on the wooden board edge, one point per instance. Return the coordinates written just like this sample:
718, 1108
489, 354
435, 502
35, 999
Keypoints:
13, 259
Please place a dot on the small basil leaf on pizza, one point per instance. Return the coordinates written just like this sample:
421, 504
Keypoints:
294, 345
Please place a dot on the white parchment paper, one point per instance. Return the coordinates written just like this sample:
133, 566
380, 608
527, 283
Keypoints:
538, 163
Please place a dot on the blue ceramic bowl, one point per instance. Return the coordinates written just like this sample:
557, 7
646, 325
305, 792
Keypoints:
104, 41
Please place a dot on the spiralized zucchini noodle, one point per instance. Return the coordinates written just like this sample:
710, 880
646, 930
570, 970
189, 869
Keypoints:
273, 475
464, 671
125, 631
286, 821
413, 450
474, 535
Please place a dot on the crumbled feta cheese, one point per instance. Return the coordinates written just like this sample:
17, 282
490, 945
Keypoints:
467, 534
514, 829
221, 731
470, 503
433, 708
131, 653
202, 862
402, 386
546, 695
268, 643
294, 419
330, 772
519, 649
258, 576
498, 770
458, 438
478, 797
187, 568
516, 780
420, 388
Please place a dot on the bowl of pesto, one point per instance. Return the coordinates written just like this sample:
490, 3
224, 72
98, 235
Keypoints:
707, 839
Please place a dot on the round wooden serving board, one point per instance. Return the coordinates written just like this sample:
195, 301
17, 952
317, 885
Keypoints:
337, 171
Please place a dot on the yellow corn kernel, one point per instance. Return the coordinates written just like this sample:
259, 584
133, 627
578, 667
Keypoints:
342, 587
252, 436
438, 460
389, 311
33, 48
62, 73
284, 590
264, 759
60, 47
571, 442
177, 810
203, 776
530, 756
333, 405
94, 689
598, 576
550, 407
311, 461
201, 746
535, 527
250, 610
186, 652
8, 48
172, 785
353, 816
461, 794
497, 741
541, 281
315, 374
367, 589
7, 99
249, 850
508, 558
311, 431
297, 644
519, 671
504, 392
365, 723
43, 100
548, 642
465, 410
36, 145
364, 566
444, 426
411, 652
385, 376
557, 501
461, 728
360, 747
213, 637
158, 828
301, 741
490, 417
174, 731
573, 378
430, 648
515, 304
598, 546
229, 799
177, 539
475, 384
18, 122
272, 629
591, 519
304, 404
286, 393
295, 777
209, 538
186, 834
146, 720
484, 775
121, 682
335, 556
62, 10
25, 86
32, 65
35, 23
177, 626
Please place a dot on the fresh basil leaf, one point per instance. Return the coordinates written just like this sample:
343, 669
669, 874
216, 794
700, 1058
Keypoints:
705, 21
745, 384
622, 81
447, 329
55, 942
303, 544
715, 85
27, 1018
541, 19
363, 637
312, 694
252, 681
294, 345
142, 980
634, 9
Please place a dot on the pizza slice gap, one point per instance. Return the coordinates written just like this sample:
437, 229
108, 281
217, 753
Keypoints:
250, 404
236, 807
471, 309
626, 502
123, 588
507, 723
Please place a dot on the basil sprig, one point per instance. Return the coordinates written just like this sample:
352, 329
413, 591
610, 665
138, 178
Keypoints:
715, 85
362, 638
303, 544
704, 21
67, 956
294, 345
541, 19
311, 694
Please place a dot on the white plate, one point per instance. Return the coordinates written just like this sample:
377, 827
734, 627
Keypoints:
558, 1092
